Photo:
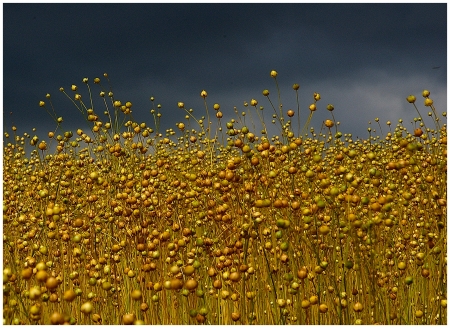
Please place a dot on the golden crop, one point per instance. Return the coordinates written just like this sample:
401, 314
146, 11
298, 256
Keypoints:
215, 223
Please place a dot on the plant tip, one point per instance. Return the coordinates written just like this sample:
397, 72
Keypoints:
411, 99
329, 123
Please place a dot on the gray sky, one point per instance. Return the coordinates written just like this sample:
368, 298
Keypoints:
365, 59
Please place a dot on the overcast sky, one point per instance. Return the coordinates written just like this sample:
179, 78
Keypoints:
365, 59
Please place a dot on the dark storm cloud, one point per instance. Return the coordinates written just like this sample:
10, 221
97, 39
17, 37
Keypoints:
363, 58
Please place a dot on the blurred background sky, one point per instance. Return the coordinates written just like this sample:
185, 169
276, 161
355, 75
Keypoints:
365, 59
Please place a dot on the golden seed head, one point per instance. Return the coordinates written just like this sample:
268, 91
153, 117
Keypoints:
77, 96
97, 80
47, 96
61, 89
96, 318
253, 102
152, 98
296, 86
181, 105
136, 294
35, 309
105, 74
87, 307
110, 94
85, 80
358, 307
41, 104
69, 295
203, 94
42, 145
74, 87
265, 93
273, 74
312, 107
323, 308
117, 103
425, 93
411, 99
428, 102
316, 96
329, 123
216, 106
330, 107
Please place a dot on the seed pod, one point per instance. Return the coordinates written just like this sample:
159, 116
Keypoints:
305, 304
235, 276
302, 274
51, 283
314, 300
323, 308
200, 318
69, 295
128, 318
235, 316
136, 294
57, 318
144, 307
217, 284
358, 307
96, 318
212, 272
191, 284
27, 273
41, 276
188, 270
87, 308
176, 284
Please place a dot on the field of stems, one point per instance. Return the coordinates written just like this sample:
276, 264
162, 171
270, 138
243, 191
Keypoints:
216, 222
